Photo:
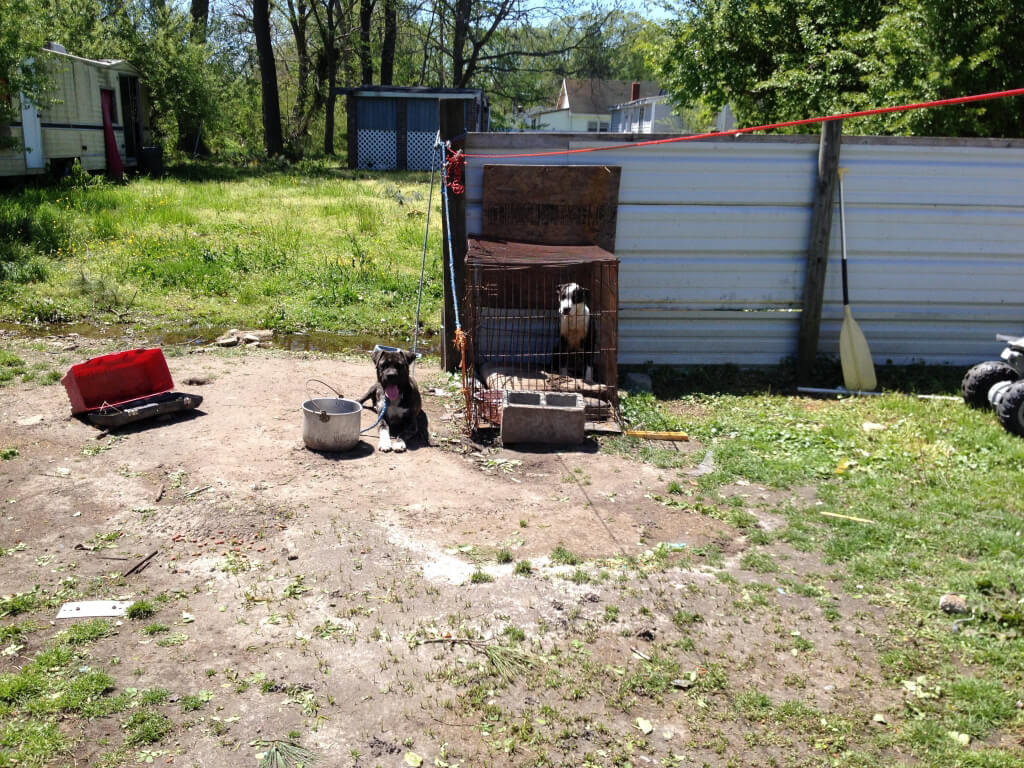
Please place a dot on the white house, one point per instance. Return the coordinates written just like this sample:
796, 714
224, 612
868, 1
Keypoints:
654, 114
586, 105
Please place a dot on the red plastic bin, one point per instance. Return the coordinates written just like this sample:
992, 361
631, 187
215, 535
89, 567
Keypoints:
116, 379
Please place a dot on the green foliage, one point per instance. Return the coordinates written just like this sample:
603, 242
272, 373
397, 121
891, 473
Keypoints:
563, 556
140, 609
146, 727
21, 602
194, 701
22, 69
87, 632
154, 696
789, 59
651, 678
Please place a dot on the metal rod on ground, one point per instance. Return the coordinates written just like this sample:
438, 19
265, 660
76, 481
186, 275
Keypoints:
836, 391
423, 263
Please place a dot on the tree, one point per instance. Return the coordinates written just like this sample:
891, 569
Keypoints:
273, 139
776, 60
387, 48
299, 13
200, 12
22, 69
333, 23
365, 52
484, 38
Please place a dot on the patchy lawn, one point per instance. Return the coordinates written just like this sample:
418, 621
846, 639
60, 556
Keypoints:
622, 604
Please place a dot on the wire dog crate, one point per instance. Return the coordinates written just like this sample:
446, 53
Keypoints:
513, 318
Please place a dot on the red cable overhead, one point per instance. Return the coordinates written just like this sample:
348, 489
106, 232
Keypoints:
770, 126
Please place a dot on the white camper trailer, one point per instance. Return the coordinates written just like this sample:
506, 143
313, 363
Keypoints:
95, 113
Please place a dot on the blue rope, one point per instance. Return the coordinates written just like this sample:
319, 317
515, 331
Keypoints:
451, 250
379, 416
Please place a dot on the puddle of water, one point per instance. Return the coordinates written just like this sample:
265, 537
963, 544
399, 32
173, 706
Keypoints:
313, 341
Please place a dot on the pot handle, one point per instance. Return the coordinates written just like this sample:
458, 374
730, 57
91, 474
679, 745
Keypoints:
321, 381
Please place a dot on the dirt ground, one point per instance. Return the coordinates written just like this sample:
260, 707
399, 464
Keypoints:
314, 593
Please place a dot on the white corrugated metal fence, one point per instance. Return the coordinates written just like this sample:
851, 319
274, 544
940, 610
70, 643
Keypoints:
712, 237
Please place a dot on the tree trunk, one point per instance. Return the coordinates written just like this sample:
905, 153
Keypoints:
329, 120
365, 57
426, 48
304, 106
200, 12
387, 51
460, 35
190, 131
272, 138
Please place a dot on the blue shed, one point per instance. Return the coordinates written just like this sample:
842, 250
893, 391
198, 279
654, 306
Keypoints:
393, 128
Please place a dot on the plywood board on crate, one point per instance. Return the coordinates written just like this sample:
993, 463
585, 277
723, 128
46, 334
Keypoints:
555, 204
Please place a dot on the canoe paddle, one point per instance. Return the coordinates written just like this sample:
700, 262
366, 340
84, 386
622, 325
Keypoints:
854, 355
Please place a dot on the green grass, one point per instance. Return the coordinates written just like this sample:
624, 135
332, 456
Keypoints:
11, 366
279, 249
59, 683
140, 609
943, 488
146, 727
563, 556
194, 701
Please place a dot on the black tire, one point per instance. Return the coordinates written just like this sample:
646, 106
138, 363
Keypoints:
979, 380
1010, 409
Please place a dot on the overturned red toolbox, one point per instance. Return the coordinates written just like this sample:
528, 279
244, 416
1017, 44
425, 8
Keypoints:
123, 387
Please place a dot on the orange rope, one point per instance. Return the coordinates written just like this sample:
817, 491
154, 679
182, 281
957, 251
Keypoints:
461, 342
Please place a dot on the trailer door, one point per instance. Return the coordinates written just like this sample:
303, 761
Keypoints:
32, 135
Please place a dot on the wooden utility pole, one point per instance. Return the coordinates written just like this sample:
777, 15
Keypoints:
817, 249
453, 124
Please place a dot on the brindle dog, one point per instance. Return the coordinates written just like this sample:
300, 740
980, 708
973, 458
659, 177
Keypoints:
396, 394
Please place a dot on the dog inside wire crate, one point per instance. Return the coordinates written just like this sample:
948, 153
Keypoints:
542, 318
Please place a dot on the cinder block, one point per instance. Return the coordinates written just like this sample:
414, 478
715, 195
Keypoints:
552, 418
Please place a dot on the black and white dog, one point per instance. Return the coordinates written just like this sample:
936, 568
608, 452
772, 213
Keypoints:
575, 332
396, 394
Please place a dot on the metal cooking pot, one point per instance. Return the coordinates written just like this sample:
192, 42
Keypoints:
330, 423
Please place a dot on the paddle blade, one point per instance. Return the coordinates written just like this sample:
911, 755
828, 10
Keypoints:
854, 355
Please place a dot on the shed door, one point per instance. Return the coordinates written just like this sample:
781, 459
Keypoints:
377, 123
423, 122
32, 135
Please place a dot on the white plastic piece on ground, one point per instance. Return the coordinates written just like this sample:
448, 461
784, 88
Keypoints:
86, 609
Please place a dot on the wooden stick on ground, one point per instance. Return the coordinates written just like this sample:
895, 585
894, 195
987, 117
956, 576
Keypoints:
141, 565
847, 517
647, 435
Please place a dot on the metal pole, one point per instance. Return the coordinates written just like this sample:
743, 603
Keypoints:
423, 263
